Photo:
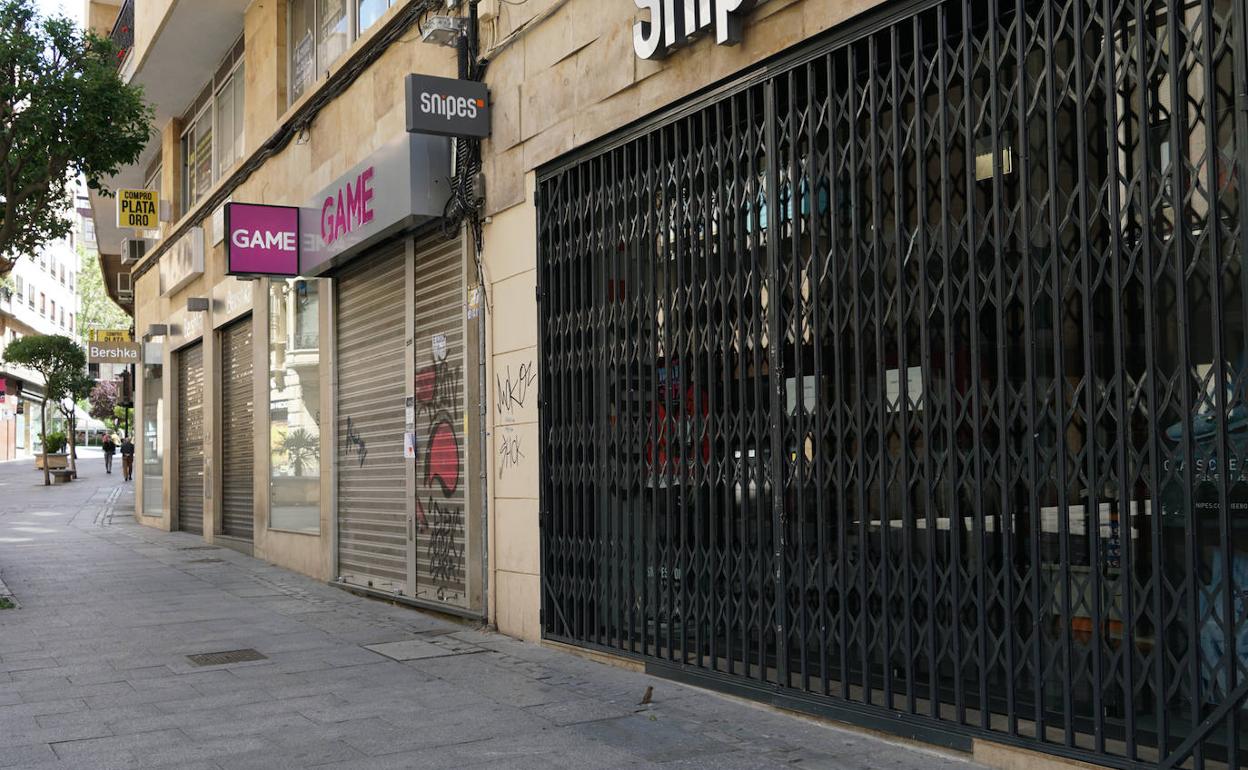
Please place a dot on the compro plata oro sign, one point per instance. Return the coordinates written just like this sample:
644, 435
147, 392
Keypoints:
138, 209
447, 107
113, 352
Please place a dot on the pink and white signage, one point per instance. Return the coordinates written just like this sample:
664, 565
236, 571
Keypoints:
402, 185
261, 240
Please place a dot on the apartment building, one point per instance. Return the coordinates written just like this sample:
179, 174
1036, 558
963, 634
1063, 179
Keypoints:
40, 297
879, 360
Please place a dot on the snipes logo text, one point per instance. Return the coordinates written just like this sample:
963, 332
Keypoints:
450, 107
673, 23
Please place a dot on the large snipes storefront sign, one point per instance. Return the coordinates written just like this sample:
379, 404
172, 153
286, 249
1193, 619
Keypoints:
674, 23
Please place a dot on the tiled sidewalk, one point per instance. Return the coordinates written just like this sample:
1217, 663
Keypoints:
94, 670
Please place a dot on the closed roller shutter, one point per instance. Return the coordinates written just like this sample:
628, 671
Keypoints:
191, 439
372, 498
441, 539
238, 426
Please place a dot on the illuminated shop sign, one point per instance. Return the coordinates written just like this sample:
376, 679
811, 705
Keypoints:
261, 240
403, 184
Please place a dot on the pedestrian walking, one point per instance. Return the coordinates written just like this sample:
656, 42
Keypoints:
110, 448
127, 458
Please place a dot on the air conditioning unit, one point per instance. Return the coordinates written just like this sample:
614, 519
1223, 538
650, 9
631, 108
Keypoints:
132, 250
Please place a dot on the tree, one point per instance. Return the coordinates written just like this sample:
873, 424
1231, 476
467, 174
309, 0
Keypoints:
104, 403
98, 311
63, 112
76, 386
59, 360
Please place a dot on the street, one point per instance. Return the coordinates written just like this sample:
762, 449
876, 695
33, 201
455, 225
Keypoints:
94, 670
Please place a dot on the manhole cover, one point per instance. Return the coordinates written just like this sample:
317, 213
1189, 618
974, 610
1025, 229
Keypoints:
206, 561
222, 658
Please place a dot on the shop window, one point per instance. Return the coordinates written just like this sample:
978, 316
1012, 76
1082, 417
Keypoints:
153, 432
294, 406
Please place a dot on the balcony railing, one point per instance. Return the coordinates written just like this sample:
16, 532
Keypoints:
123, 31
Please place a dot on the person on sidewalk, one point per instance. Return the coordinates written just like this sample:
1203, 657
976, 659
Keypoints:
110, 448
127, 458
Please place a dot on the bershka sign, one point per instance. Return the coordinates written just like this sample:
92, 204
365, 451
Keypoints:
261, 240
674, 23
113, 352
447, 107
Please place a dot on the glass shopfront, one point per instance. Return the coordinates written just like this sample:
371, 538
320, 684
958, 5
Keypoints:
913, 379
295, 405
153, 452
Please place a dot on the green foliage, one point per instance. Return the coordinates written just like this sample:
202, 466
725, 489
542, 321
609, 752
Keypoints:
63, 112
300, 447
62, 364
98, 311
55, 442
61, 361
6, 603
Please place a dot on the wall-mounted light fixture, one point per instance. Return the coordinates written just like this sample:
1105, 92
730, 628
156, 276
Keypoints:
198, 304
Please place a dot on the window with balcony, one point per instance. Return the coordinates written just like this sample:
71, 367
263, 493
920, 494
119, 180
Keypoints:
320, 32
212, 137
197, 156
228, 106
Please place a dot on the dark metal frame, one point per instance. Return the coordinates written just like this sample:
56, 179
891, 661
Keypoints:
122, 33
894, 380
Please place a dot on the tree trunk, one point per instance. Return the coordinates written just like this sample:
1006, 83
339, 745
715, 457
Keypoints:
43, 435
73, 447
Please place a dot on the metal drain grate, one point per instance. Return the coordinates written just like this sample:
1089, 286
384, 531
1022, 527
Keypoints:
222, 658
199, 548
206, 561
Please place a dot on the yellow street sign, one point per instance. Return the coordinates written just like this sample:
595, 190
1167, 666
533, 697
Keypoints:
108, 335
138, 209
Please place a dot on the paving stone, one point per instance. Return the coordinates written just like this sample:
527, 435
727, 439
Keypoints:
25, 756
93, 673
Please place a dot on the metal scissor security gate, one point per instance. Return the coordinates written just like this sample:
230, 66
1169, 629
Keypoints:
907, 380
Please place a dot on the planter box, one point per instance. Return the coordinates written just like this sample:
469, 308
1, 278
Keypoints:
55, 461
